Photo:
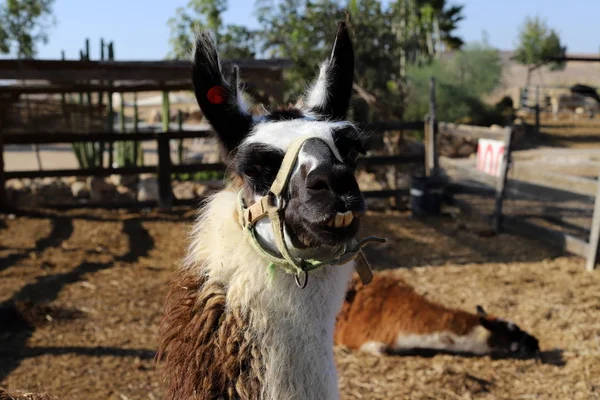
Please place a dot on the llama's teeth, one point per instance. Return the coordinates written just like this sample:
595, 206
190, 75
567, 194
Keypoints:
348, 217
331, 223
339, 220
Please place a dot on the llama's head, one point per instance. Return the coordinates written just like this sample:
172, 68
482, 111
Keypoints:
506, 337
323, 203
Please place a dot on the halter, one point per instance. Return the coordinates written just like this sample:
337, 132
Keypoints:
273, 205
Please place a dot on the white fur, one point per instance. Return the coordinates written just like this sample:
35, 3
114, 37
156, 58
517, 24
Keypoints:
376, 348
475, 342
317, 94
281, 134
293, 327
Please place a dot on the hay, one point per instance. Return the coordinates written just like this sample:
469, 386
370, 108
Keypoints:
101, 277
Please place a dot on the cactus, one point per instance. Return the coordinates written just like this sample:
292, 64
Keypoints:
128, 152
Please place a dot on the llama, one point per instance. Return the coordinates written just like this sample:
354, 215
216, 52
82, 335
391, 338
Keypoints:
388, 316
237, 324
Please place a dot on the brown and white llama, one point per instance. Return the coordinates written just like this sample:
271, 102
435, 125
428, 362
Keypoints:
237, 325
389, 316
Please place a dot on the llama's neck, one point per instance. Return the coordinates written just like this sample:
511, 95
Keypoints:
292, 327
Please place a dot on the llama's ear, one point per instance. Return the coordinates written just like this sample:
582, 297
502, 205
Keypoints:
487, 324
218, 95
330, 95
480, 311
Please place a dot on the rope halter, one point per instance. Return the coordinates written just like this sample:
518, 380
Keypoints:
273, 205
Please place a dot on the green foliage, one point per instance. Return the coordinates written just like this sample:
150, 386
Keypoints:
233, 41
199, 176
129, 153
479, 67
88, 154
386, 34
24, 24
461, 83
537, 43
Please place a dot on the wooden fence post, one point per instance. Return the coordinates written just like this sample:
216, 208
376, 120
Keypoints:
501, 182
3, 203
431, 167
537, 110
164, 157
164, 172
111, 126
592, 252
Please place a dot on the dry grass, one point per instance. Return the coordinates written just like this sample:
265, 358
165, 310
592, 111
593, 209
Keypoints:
82, 296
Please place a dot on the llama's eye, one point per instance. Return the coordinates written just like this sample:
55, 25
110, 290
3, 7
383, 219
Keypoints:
252, 171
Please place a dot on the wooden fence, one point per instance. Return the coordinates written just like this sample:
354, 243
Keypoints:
165, 168
531, 183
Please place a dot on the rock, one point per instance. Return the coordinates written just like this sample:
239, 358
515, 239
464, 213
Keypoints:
125, 194
128, 180
147, 188
15, 184
79, 190
465, 150
185, 190
100, 189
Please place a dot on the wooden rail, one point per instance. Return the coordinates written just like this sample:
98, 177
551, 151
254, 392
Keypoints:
164, 169
462, 178
94, 71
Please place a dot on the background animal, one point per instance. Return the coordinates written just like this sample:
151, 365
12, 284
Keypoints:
389, 316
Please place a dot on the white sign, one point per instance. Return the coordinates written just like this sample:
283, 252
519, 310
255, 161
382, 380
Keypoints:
490, 154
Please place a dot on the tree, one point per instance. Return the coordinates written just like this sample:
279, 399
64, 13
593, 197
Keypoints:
462, 82
388, 37
537, 45
233, 41
24, 24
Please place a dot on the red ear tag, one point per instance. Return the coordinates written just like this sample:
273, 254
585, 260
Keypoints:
216, 95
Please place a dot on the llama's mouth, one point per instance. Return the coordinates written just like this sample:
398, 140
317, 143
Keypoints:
342, 220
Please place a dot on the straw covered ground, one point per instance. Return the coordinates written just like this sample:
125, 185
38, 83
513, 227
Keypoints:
81, 296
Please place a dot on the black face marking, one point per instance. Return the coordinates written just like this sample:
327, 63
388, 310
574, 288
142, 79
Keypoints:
349, 144
317, 193
285, 115
507, 337
258, 165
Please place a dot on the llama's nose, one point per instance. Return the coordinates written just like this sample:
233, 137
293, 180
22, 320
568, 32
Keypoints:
338, 179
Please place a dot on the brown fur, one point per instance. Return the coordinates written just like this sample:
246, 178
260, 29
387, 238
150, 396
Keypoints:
206, 350
387, 306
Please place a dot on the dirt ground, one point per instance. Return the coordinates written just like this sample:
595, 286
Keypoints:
81, 296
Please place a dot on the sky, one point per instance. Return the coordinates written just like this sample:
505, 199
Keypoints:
140, 32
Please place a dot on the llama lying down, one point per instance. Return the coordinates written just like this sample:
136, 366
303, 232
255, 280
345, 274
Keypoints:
388, 316
252, 311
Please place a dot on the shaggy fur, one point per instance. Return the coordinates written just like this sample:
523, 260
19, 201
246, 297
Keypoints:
207, 350
231, 330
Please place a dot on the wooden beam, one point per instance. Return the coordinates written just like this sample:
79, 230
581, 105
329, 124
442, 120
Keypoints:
390, 160
184, 168
2, 173
431, 151
77, 71
594, 234
54, 88
71, 137
165, 191
469, 131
